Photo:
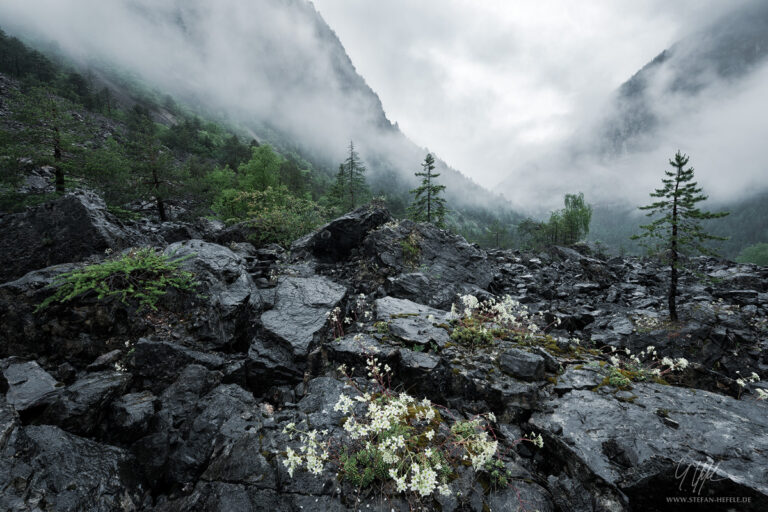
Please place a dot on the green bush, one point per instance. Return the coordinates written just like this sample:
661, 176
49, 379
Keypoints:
275, 214
139, 277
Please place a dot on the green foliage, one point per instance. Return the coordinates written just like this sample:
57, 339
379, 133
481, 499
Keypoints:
350, 189
364, 467
757, 254
276, 215
46, 131
618, 378
157, 176
262, 170
427, 204
139, 277
565, 227
498, 474
411, 250
472, 335
677, 228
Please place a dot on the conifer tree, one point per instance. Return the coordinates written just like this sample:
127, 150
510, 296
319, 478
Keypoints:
427, 204
678, 230
154, 165
350, 189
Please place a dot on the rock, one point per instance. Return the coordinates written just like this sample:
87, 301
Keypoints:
628, 443
64, 230
159, 363
227, 297
302, 307
521, 495
270, 363
522, 365
578, 378
43, 465
449, 264
334, 241
105, 361
354, 349
412, 322
29, 386
130, 415
80, 407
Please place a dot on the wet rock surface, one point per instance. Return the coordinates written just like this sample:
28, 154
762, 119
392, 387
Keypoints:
106, 408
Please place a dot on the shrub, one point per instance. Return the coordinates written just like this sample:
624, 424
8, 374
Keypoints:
139, 277
404, 445
274, 213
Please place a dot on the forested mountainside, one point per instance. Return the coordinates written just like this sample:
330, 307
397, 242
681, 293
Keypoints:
299, 93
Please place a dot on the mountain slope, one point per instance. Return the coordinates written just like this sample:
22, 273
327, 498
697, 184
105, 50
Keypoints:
274, 68
724, 52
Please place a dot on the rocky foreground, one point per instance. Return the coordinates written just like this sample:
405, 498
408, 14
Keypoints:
106, 408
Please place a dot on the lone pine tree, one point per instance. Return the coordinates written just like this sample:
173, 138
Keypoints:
678, 230
427, 204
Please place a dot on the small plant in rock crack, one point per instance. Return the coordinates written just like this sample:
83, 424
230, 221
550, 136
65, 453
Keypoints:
480, 323
139, 276
743, 381
624, 367
341, 324
396, 443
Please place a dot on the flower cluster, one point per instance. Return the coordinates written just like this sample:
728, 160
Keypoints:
312, 454
403, 443
743, 381
644, 364
480, 322
646, 323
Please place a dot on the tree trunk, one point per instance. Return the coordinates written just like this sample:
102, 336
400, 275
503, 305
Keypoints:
158, 197
161, 209
674, 257
57, 157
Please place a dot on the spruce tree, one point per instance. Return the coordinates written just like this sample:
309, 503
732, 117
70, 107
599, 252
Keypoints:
427, 204
350, 189
678, 230
154, 166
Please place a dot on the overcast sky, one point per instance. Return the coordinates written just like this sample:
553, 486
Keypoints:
485, 83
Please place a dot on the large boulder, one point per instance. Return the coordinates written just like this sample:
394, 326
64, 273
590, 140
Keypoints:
301, 309
44, 468
29, 386
226, 296
334, 241
66, 230
76, 332
659, 441
430, 265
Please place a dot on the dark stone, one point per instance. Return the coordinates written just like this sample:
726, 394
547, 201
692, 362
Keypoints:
105, 361
334, 241
155, 364
522, 365
65, 230
80, 407
29, 386
130, 416
302, 308
629, 445
45, 465
412, 322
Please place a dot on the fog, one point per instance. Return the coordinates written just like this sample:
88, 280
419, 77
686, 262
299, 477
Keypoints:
518, 95
260, 62
722, 128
